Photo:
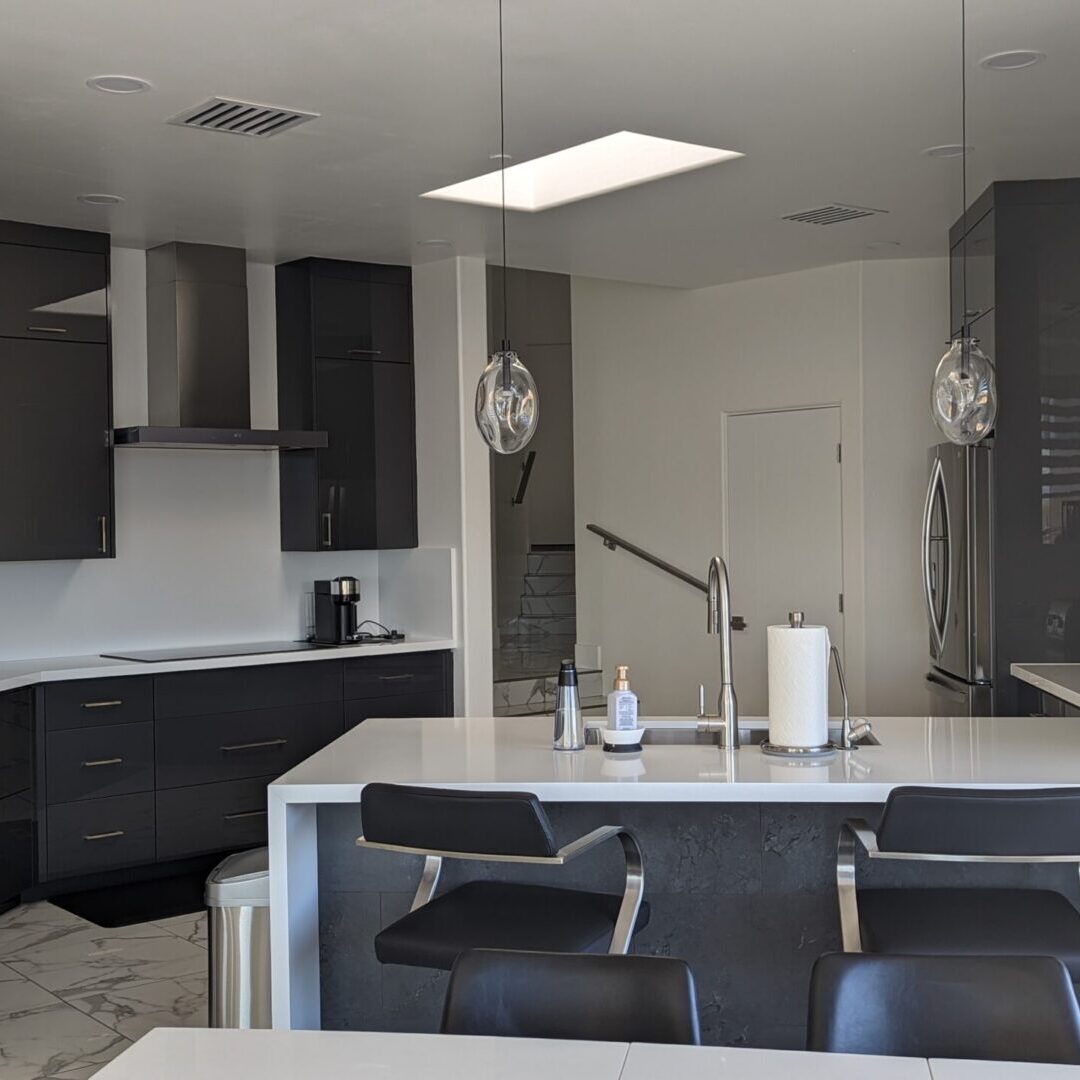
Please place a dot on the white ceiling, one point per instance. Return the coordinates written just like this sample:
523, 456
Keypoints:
830, 100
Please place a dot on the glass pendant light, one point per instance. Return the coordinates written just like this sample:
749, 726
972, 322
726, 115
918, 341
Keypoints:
963, 396
507, 401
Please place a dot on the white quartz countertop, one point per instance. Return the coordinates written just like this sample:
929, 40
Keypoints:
17, 673
515, 754
1060, 680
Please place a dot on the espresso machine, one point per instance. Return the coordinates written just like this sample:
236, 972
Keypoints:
336, 602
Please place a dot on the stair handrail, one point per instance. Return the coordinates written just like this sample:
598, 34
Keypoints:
613, 542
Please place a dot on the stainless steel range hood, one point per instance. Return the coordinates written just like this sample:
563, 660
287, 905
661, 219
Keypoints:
197, 343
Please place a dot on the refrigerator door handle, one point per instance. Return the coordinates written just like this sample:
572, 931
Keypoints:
938, 626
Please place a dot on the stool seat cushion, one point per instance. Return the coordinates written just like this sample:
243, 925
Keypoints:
502, 915
971, 922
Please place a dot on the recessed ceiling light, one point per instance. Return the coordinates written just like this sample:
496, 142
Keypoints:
592, 168
1013, 59
100, 199
947, 150
435, 243
118, 84
500, 157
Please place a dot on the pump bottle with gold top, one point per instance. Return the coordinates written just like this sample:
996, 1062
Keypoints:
622, 702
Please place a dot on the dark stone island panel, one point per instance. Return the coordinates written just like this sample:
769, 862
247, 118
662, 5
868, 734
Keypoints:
745, 892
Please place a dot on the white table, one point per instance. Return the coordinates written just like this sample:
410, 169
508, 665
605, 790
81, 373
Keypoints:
1000, 1070
645, 1062
187, 1053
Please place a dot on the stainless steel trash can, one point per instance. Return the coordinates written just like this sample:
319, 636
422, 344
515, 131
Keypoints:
238, 904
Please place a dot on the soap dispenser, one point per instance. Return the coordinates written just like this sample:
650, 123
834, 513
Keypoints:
622, 702
569, 723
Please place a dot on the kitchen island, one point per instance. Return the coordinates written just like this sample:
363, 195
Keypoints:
739, 851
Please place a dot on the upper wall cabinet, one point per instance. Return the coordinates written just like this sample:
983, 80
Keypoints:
344, 333
56, 478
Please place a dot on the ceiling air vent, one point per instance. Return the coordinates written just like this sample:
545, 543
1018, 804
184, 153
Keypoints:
241, 117
832, 214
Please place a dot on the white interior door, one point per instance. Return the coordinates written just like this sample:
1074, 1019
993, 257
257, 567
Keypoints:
783, 521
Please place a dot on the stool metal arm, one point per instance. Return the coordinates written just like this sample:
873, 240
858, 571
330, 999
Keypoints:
632, 891
855, 831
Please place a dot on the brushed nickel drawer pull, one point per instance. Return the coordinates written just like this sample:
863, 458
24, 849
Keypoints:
104, 835
47, 329
103, 525
363, 352
102, 704
103, 761
328, 526
243, 814
396, 678
253, 745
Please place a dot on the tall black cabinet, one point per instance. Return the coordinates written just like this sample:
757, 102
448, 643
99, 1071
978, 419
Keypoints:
56, 479
1023, 303
345, 367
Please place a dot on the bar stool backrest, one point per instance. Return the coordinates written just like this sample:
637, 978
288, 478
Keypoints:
470, 822
957, 821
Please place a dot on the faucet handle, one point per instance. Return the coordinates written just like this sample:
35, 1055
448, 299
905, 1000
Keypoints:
701, 699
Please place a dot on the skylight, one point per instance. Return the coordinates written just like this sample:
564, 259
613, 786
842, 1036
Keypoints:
615, 161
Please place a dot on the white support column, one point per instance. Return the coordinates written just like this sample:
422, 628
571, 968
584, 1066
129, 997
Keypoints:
453, 466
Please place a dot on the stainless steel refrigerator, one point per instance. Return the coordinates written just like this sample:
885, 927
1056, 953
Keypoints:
957, 571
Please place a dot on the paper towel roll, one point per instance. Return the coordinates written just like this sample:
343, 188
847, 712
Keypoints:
798, 685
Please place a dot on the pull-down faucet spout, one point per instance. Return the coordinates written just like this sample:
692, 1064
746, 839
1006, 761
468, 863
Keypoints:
727, 719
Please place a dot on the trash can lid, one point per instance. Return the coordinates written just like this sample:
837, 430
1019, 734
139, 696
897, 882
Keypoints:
242, 879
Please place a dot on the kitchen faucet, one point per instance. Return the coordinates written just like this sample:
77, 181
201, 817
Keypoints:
726, 722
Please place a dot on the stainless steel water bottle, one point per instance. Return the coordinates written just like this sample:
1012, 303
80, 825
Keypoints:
569, 723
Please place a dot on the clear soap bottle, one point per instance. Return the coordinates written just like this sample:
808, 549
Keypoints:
622, 702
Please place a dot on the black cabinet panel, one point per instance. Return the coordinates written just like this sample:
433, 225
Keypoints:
234, 746
397, 673
55, 452
100, 834
431, 703
117, 759
211, 817
362, 320
17, 797
90, 702
221, 690
53, 294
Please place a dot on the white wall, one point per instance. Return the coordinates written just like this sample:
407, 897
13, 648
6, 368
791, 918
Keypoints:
197, 537
654, 371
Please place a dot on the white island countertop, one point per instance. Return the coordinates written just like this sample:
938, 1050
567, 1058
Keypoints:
1059, 680
18, 673
514, 753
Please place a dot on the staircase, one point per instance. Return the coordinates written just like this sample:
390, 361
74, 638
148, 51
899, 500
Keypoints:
541, 635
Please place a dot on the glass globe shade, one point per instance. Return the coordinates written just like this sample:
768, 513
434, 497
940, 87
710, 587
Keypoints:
507, 403
963, 397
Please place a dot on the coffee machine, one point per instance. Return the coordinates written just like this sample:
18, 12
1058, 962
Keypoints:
335, 611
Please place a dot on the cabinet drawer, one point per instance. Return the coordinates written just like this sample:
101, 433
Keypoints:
433, 703
99, 834
211, 817
90, 763
395, 673
90, 702
234, 746
221, 690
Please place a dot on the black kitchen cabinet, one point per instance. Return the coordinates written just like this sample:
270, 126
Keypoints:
56, 478
345, 367
55, 450
17, 795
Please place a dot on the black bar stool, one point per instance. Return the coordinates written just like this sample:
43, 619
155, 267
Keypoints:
509, 827
531, 995
990, 1008
956, 825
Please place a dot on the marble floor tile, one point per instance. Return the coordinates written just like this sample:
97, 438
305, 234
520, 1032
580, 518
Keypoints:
55, 1040
21, 997
189, 927
133, 1011
36, 924
98, 959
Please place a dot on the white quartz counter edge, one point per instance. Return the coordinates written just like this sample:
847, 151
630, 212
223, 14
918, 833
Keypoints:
18, 673
1060, 680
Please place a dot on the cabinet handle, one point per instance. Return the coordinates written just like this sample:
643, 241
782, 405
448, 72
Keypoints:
253, 745
328, 536
396, 678
102, 704
47, 329
104, 835
103, 761
103, 524
243, 814
363, 352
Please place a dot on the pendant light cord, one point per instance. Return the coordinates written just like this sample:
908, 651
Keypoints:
502, 180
